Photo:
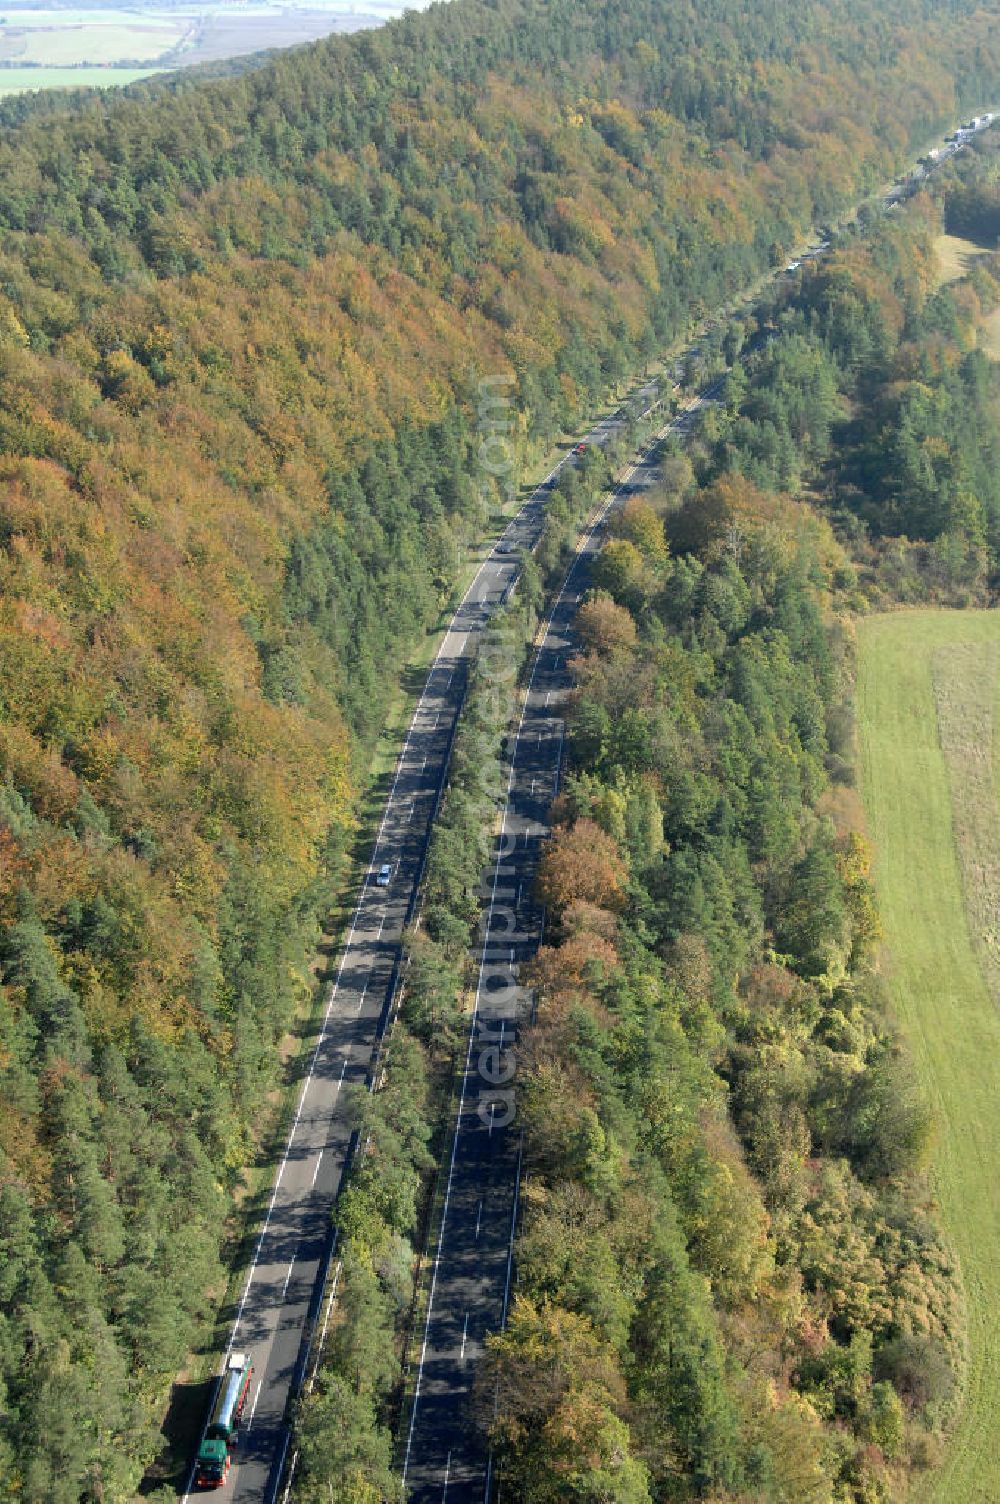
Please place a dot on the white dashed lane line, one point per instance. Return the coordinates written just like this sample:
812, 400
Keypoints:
253, 1408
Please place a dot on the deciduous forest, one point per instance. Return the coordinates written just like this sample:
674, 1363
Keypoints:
732, 1281
241, 326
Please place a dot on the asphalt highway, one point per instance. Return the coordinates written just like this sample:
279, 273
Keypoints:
280, 1302
445, 1458
279, 1306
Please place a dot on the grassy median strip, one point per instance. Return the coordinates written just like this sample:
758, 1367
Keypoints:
927, 701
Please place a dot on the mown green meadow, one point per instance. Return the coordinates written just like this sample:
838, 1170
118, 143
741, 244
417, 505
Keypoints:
927, 704
20, 80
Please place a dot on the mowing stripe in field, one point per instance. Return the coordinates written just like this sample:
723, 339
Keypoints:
926, 784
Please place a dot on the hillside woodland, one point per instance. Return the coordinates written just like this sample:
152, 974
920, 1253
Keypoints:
731, 1284
242, 324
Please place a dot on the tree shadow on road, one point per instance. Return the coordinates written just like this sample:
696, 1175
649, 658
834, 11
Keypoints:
182, 1428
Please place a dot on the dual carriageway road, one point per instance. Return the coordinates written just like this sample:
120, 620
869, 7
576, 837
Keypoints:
445, 1458
279, 1308
280, 1304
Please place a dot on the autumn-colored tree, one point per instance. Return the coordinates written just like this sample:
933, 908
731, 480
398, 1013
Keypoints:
604, 627
583, 954
639, 524
555, 1391
622, 571
581, 864
242, 322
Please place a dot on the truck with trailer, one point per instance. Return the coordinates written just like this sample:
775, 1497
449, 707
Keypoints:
214, 1455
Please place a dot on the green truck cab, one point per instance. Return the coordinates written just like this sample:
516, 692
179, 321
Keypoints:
213, 1460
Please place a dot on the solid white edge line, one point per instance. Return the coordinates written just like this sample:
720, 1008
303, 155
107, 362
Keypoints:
281, 1464
483, 569
530, 502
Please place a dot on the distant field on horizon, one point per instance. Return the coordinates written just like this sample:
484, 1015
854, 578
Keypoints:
21, 80
98, 37
927, 712
97, 47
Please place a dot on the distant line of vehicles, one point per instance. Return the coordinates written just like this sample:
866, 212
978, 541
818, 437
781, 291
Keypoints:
911, 182
809, 254
938, 154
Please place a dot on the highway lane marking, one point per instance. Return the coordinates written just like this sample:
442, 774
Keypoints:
447, 1475
281, 1465
488, 1488
517, 900
278, 1476
253, 1408
319, 1161
465, 1338
289, 1274
534, 502
410, 730
479, 1217
513, 1226
343, 1072
333, 1294
475, 1010
361, 999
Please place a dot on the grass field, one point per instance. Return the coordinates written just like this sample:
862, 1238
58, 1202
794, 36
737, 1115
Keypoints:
74, 47
988, 337
20, 80
116, 40
927, 704
956, 257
